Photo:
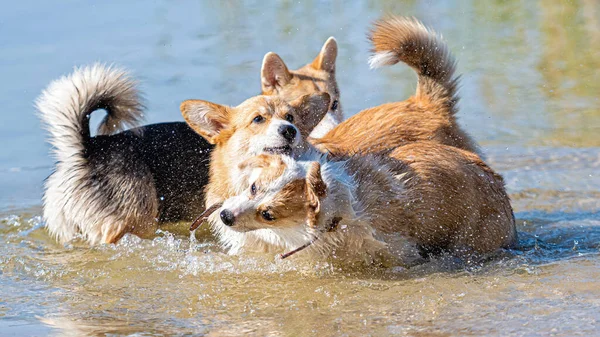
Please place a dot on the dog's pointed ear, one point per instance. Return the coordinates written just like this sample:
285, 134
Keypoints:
206, 118
274, 73
311, 109
316, 189
326, 58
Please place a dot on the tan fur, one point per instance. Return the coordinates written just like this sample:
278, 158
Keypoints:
290, 201
441, 197
232, 128
216, 117
455, 201
450, 199
477, 210
391, 125
271, 167
296, 198
314, 77
428, 115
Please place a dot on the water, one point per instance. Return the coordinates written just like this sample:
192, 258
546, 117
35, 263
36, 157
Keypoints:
529, 96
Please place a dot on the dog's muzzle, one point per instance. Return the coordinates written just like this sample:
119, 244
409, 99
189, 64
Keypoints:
288, 132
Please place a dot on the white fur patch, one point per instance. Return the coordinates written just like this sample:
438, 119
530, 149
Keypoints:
354, 239
384, 58
272, 137
328, 123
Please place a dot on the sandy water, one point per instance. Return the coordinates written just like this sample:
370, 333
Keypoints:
530, 97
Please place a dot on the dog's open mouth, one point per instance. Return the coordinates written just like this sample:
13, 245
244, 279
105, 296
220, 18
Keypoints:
279, 150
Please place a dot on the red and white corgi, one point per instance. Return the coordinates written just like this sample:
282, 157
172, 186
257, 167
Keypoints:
261, 124
422, 178
429, 115
440, 197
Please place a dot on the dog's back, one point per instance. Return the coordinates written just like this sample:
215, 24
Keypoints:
176, 157
427, 115
442, 197
105, 186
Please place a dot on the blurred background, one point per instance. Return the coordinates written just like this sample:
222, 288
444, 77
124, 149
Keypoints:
531, 69
530, 96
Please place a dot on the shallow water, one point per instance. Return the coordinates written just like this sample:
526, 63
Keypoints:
531, 79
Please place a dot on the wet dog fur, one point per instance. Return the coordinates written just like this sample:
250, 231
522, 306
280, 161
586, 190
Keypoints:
105, 186
152, 161
261, 124
447, 208
440, 197
129, 182
429, 115
317, 76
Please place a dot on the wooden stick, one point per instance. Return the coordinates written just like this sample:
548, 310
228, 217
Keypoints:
204, 216
288, 254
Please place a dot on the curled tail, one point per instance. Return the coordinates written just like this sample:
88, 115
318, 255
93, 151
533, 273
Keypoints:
407, 40
71, 205
66, 104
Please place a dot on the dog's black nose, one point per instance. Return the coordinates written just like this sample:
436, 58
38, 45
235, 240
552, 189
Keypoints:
227, 217
288, 132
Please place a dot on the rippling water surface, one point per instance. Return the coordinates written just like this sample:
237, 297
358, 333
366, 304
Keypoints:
530, 96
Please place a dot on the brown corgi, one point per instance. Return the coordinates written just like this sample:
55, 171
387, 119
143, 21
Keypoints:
261, 124
428, 115
441, 197
317, 76
295, 203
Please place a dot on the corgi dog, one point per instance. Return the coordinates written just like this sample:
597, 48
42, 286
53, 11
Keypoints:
116, 182
297, 203
441, 197
131, 181
314, 77
450, 201
429, 115
261, 124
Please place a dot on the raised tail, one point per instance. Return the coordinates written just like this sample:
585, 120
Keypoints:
407, 40
65, 107
66, 104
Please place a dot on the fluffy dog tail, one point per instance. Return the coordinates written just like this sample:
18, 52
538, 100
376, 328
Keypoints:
399, 39
66, 104
65, 107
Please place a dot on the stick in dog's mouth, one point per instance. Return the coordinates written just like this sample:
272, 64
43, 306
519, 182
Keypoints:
332, 227
204, 216
290, 253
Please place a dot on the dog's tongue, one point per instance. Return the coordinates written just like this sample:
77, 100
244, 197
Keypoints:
204, 216
290, 253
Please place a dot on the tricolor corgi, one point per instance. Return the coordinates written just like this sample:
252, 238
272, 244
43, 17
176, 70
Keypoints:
129, 182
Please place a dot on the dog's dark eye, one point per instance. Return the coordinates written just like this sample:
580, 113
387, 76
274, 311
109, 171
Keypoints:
289, 118
253, 189
258, 119
267, 215
334, 105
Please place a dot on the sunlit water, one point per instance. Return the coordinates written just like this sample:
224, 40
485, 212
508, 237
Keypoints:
530, 96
